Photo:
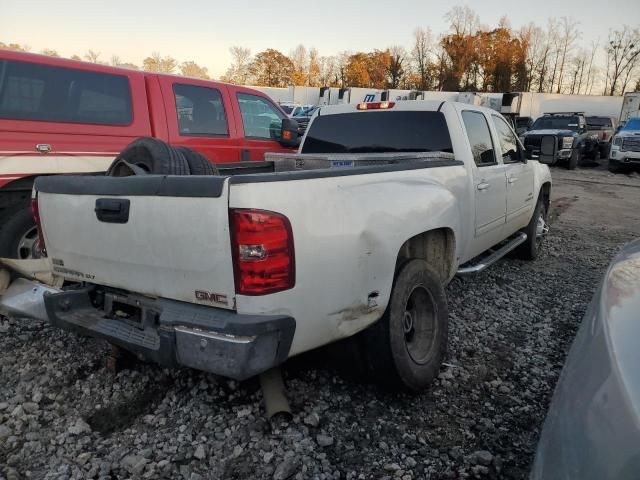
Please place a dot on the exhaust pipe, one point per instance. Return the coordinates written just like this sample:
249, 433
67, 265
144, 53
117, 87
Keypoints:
274, 393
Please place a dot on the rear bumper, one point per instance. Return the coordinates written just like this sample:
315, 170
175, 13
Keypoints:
173, 333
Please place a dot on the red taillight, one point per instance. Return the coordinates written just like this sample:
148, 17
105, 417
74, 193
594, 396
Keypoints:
375, 105
262, 248
35, 211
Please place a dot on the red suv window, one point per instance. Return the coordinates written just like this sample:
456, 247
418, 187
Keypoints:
31, 91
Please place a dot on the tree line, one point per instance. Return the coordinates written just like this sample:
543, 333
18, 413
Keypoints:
468, 57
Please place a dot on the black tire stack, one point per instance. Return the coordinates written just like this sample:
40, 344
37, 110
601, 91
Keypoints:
147, 155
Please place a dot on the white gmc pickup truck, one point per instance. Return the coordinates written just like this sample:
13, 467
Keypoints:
358, 233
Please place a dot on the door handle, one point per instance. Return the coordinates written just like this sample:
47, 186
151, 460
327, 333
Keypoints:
43, 147
112, 210
513, 179
483, 186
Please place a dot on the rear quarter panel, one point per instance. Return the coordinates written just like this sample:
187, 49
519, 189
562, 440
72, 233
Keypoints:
347, 235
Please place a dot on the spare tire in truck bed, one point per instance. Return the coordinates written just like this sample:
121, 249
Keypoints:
150, 155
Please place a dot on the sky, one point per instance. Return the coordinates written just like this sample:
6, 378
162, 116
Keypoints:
203, 31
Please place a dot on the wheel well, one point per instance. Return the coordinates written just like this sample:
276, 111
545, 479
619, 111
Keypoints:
545, 191
16, 193
437, 247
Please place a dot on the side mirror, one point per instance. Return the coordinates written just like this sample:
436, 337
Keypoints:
548, 149
289, 133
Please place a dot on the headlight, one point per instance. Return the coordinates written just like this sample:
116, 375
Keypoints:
567, 142
617, 141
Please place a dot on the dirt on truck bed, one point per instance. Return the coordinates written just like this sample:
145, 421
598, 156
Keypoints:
64, 415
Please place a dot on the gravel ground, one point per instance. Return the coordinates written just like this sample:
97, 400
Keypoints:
64, 415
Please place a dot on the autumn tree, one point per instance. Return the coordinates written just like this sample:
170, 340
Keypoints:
238, 73
157, 63
272, 69
459, 47
623, 57
356, 71
192, 69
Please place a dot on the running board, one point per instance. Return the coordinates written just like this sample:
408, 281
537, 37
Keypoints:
494, 257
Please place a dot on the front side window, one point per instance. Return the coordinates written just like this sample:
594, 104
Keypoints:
479, 137
31, 91
200, 111
260, 118
507, 139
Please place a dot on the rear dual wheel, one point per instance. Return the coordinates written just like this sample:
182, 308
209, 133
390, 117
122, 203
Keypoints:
405, 348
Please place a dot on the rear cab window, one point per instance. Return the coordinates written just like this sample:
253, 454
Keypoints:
36, 92
378, 132
260, 119
200, 111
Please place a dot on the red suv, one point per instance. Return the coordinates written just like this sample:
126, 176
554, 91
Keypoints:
63, 116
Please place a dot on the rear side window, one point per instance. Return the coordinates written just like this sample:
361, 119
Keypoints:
260, 119
382, 131
30, 91
200, 111
475, 123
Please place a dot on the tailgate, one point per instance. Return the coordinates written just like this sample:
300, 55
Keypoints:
173, 241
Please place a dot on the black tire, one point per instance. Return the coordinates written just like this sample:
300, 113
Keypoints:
18, 233
614, 166
530, 248
400, 355
574, 160
198, 164
149, 155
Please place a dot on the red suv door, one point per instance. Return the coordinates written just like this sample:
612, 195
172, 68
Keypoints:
200, 116
260, 123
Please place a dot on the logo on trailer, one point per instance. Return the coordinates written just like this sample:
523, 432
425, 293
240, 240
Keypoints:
211, 297
369, 97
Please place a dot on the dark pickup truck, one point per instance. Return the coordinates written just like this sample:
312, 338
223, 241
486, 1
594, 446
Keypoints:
575, 141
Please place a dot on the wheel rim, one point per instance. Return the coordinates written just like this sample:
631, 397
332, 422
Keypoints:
419, 324
27, 243
542, 228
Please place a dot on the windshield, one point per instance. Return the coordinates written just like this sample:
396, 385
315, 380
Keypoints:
379, 132
556, 123
632, 124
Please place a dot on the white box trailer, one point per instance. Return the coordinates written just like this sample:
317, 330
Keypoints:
533, 105
630, 106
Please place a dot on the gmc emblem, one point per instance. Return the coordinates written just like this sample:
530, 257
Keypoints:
211, 297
